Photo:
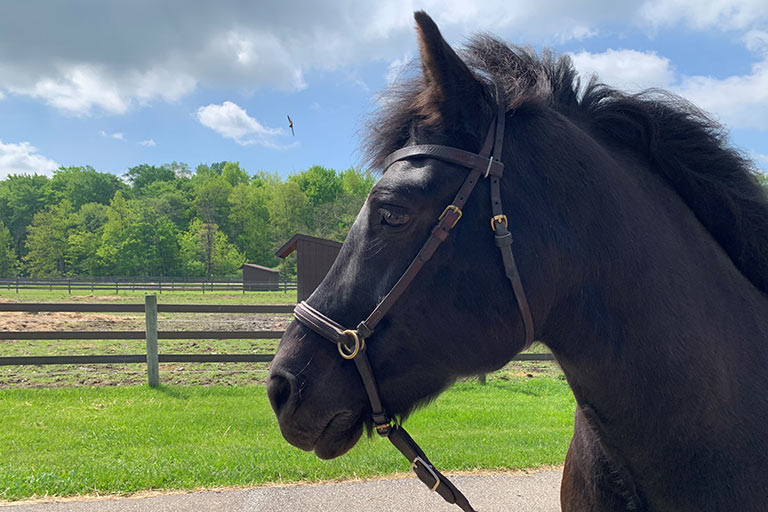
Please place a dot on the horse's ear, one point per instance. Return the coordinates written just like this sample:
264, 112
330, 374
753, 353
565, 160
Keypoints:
450, 83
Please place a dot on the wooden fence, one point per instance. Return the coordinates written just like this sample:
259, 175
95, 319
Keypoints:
158, 284
151, 334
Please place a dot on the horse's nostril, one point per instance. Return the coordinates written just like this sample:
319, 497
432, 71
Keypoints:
280, 391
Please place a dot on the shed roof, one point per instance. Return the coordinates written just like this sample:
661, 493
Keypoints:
253, 265
290, 246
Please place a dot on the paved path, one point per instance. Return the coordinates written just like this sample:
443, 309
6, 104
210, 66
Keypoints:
532, 492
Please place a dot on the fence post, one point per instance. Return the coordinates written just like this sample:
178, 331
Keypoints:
482, 379
150, 312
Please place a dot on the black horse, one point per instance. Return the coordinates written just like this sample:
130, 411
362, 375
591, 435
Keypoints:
641, 240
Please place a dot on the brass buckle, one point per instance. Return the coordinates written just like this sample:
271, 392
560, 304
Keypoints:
384, 429
429, 470
499, 219
451, 208
359, 345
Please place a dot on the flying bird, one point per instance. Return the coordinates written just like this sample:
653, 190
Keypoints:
290, 125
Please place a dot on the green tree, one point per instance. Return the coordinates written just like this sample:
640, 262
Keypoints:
47, 241
234, 174
9, 265
180, 169
289, 211
320, 185
206, 252
333, 219
142, 175
21, 197
80, 185
138, 242
171, 199
211, 199
249, 219
356, 183
762, 178
205, 171
63, 225
84, 240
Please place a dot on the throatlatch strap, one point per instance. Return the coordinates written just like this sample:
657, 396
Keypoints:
503, 239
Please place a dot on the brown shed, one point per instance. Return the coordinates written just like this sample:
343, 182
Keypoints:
257, 278
314, 257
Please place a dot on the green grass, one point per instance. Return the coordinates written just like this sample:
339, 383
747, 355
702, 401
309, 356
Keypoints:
61, 442
169, 297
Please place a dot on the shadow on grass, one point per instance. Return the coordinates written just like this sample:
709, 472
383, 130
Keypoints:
171, 391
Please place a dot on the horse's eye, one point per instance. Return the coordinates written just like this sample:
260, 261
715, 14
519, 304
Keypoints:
391, 218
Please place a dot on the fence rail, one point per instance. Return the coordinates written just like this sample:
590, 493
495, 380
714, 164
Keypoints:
151, 334
158, 284
76, 307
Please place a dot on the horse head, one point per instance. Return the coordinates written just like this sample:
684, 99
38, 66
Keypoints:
457, 317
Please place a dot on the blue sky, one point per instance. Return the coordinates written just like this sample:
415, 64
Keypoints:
117, 84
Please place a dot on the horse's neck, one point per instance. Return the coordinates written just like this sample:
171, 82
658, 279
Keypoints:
660, 302
667, 343
689, 348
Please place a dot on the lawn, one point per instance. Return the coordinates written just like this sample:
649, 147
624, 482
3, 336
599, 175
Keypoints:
169, 297
69, 441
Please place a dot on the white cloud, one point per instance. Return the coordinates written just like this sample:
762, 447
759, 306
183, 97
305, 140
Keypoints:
245, 46
720, 14
85, 68
115, 135
756, 41
760, 159
625, 69
22, 157
737, 101
81, 89
2, 95
397, 68
148, 143
233, 122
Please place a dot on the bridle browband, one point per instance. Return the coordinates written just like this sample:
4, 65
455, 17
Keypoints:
351, 342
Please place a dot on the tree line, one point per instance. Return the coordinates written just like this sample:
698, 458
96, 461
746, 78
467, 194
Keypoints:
168, 220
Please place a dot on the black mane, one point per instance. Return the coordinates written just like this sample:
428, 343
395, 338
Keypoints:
677, 140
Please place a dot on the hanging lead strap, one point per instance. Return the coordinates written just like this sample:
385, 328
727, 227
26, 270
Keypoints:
352, 346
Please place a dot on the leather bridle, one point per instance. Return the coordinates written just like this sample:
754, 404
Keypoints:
351, 342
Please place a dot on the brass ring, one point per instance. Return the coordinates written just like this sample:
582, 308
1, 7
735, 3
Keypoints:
359, 345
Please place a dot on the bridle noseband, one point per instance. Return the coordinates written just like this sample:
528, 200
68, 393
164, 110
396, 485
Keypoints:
351, 342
